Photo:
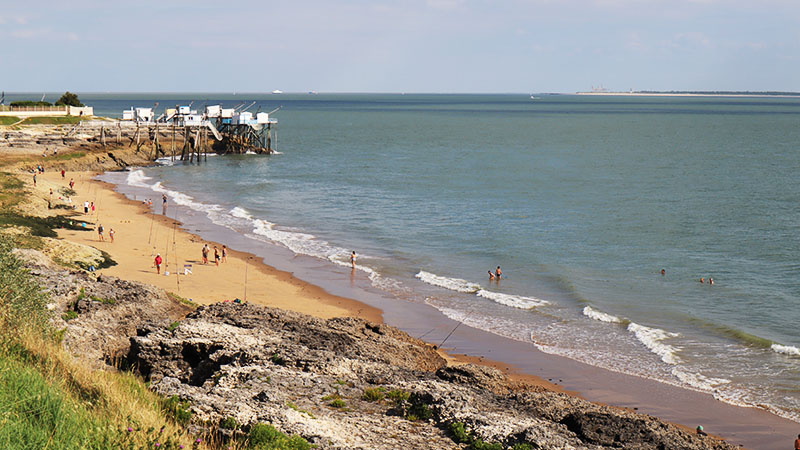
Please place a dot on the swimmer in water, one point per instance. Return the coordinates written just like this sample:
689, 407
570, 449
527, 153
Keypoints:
710, 280
498, 273
491, 275
702, 280
663, 272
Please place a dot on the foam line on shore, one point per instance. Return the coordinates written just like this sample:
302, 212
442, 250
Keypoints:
468, 287
592, 313
785, 349
298, 243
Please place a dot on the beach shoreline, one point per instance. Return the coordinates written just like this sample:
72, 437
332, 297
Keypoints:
556, 373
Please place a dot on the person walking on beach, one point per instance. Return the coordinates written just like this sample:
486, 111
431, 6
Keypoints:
205, 254
216, 256
34, 180
164, 204
63, 174
92, 207
353, 259
224, 254
86, 207
498, 273
72, 184
111, 235
100, 232
157, 263
797, 443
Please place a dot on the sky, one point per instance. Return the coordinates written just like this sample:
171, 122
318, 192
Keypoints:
445, 46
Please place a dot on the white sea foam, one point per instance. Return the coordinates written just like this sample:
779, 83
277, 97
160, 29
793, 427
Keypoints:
652, 339
137, 178
699, 381
516, 301
785, 349
166, 161
599, 315
240, 213
453, 284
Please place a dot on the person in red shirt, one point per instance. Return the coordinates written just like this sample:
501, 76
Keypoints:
158, 263
797, 443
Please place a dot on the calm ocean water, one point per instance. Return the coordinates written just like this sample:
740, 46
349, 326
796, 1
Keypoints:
581, 200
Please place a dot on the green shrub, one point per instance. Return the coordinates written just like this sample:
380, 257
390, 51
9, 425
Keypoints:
30, 103
374, 394
419, 411
229, 423
263, 436
69, 315
522, 446
173, 326
69, 99
398, 395
177, 410
478, 444
277, 359
459, 433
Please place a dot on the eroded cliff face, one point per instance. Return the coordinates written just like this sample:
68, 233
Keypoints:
341, 383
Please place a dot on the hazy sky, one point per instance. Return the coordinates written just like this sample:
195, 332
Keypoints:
399, 46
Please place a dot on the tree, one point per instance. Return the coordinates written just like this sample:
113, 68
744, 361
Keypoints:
69, 99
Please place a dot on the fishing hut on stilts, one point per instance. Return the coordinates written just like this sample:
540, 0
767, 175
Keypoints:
245, 132
193, 135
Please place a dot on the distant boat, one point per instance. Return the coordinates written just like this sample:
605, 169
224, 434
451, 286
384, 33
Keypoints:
276, 91
534, 98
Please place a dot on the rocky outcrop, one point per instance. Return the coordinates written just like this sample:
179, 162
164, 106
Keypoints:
324, 379
99, 314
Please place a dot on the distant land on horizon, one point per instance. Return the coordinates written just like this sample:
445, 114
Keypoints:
696, 93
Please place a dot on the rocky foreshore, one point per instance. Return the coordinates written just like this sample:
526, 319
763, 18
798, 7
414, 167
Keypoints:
340, 383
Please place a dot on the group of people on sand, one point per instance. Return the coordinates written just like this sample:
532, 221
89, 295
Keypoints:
219, 255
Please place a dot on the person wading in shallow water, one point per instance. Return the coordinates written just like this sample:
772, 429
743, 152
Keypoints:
797, 443
498, 273
353, 259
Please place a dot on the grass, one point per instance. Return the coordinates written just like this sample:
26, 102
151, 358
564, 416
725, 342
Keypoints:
460, 435
66, 156
266, 437
398, 396
8, 120
47, 399
374, 394
53, 120
297, 408
175, 297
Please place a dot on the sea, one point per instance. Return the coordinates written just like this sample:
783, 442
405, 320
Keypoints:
581, 200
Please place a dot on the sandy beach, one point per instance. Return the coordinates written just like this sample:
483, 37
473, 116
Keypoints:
140, 235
